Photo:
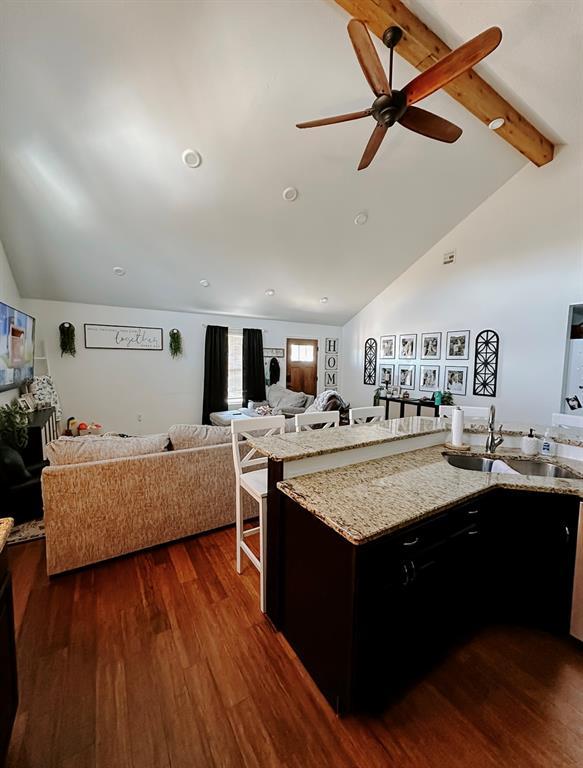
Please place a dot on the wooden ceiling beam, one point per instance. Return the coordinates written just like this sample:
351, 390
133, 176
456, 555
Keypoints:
422, 48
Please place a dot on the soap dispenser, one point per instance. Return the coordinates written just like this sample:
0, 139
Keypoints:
529, 444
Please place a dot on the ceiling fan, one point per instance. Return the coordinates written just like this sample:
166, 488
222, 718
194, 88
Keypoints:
392, 106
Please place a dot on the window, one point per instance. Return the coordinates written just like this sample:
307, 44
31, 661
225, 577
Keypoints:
235, 370
302, 353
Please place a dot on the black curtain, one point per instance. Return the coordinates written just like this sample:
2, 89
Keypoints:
253, 368
216, 367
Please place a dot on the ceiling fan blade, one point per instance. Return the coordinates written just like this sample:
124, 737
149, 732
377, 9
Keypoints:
368, 57
452, 65
428, 124
336, 119
373, 146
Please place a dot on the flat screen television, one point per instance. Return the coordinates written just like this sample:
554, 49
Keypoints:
16, 347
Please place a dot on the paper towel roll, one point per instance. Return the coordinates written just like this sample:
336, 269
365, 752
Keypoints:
457, 426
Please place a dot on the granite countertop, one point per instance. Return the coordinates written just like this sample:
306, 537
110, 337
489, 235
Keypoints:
6, 524
564, 435
301, 445
365, 501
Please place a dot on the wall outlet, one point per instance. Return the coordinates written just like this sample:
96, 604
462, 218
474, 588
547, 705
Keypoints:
139, 417
449, 257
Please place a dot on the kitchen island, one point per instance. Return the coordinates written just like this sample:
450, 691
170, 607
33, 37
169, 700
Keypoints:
377, 563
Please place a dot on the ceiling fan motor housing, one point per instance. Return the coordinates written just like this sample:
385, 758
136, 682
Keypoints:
386, 110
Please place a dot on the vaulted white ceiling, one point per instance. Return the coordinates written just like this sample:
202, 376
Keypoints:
100, 99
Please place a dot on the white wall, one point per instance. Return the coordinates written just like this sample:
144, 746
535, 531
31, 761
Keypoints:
9, 295
519, 266
115, 387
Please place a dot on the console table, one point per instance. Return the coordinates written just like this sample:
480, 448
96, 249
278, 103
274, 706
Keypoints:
409, 401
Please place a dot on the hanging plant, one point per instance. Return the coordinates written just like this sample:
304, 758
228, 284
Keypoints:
175, 343
67, 333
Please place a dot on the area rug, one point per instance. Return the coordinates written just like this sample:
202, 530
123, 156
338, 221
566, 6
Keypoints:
33, 529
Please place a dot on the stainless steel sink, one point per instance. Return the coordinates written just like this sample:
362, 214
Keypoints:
523, 466
540, 468
477, 463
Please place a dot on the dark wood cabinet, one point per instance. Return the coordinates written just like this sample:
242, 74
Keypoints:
8, 678
531, 542
366, 619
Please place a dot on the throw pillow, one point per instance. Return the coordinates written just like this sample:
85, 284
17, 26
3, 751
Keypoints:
183, 436
77, 450
12, 468
279, 398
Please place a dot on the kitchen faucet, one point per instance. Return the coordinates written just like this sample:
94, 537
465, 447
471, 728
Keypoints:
492, 442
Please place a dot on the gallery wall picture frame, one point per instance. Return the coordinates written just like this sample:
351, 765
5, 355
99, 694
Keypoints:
332, 346
429, 376
273, 352
125, 337
370, 362
406, 377
456, 379
486, 363
330, 379
387, 349
407, 346
331, 362
431, 346
457, 346
386, 375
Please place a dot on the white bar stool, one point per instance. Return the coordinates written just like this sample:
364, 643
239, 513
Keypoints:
255, 484
360, 415
307, 420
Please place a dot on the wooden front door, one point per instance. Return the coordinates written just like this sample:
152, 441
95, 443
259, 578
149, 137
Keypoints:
302, 365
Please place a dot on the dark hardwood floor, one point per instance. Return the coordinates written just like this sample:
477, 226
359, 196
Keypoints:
163, 660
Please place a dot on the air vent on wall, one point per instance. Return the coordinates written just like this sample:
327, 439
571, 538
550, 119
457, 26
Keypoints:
449, 257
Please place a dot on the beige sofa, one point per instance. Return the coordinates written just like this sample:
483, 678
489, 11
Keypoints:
96, 510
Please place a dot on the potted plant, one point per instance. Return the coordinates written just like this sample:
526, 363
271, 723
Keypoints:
13, 426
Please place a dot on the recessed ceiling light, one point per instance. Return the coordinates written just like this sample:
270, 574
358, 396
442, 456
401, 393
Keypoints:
290, 194
496, 123
361, 218
205, 283
119, 271
191, 158
324, 300
270, 292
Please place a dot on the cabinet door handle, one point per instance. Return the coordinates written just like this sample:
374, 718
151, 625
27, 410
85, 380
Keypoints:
404, 575
414, 576
473, 532
567, 534
473, 511
411, 543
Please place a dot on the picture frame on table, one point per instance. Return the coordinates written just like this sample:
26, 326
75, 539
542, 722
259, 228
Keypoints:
431, 346
456, 379
387, 348
429, 376
408, 346
386, 376
27, 403
406, 378
457, 345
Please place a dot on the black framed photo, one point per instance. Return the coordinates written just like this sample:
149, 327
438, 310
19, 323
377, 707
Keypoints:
429, 378
386, 375
456, 379
406, 377
408, 346
387, 351
458, 345
431, 346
